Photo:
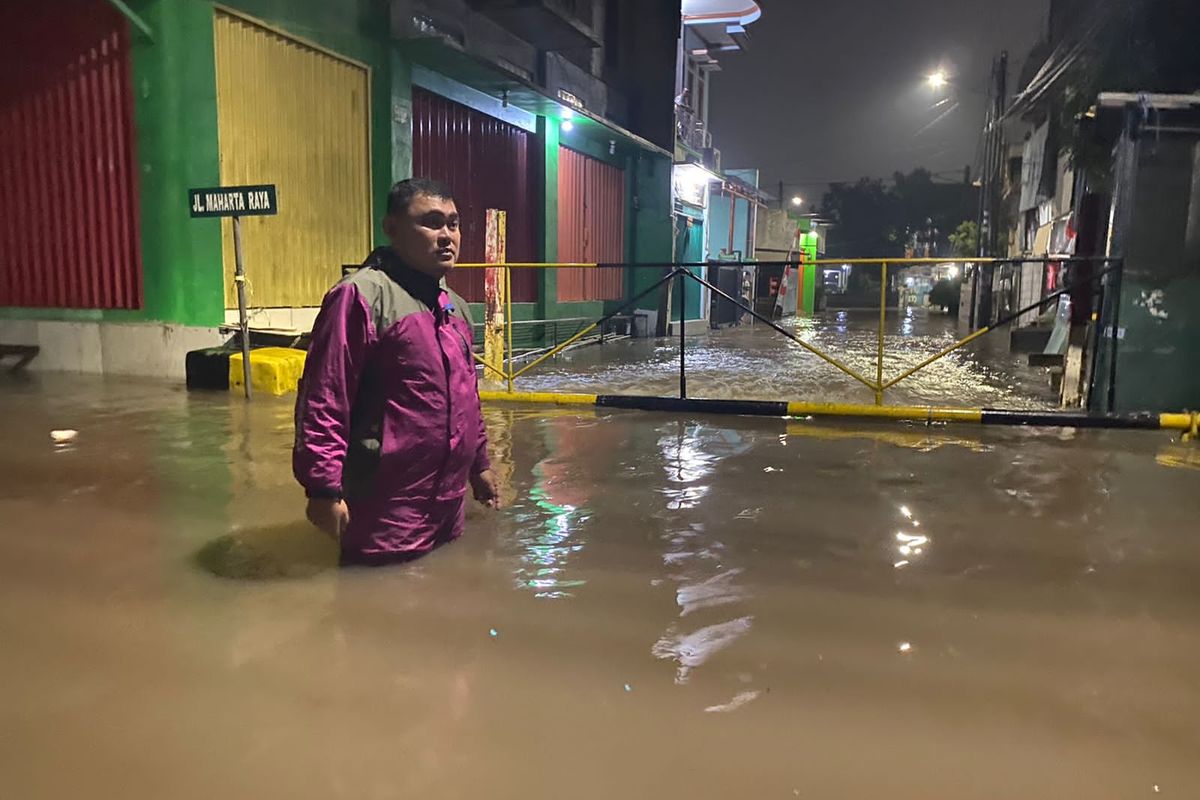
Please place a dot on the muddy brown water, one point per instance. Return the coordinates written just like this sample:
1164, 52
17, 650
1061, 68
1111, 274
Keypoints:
670, 607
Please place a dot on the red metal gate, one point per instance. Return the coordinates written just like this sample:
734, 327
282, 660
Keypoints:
486, 163
69, 228
591, 227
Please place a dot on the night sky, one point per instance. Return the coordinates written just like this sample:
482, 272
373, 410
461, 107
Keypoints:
839, 90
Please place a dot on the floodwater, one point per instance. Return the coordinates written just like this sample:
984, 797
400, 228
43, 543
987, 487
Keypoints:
753, 362
670, 607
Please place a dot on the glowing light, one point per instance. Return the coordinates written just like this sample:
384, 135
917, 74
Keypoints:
568, 126
797, 200
952, 272
938, 80
905, 511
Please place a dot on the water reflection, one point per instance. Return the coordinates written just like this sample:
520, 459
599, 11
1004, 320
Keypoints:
709, 593
754, 362
547, 550
550, 525
1049, 622
691, 650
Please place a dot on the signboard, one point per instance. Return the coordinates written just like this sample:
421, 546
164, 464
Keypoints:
236, 202
570, 99
233, 201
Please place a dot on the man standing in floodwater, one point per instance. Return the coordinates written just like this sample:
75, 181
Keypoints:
389, 430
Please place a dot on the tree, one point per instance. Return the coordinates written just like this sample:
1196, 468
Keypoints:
945, 294
872, 220
1132, 46
865, 216
964, 242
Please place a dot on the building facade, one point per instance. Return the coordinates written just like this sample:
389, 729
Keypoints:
714, 210
557, 111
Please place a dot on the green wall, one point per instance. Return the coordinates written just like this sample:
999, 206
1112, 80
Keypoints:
652, 237
175, 118
176, 121
808, 246
177, 148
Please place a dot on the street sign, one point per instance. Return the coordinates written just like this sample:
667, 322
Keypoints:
236, 202
233, 201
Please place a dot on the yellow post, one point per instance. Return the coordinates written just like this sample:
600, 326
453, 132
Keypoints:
497, 308
508, 317
883, 276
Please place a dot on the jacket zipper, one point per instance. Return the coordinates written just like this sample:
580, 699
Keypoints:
438, 323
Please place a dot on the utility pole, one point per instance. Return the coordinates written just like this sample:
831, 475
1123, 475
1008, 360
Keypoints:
991, 190
998, 169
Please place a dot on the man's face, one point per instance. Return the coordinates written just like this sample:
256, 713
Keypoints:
427, 236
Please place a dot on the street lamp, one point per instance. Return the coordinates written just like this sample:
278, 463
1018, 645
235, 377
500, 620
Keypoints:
938, 80
797, 201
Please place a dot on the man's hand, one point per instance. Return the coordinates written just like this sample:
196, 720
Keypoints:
331, 516
486, 488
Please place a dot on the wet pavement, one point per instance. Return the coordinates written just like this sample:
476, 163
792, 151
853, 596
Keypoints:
753, 362
669, 608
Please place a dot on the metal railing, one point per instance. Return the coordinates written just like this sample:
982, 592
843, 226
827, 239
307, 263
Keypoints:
879, 384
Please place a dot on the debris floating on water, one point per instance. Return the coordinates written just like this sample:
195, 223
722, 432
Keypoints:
63, 436
737, 702
493, 633
628, 688
905, 647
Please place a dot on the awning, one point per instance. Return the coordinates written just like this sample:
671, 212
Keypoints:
1032, 164
516, 90
1041, 242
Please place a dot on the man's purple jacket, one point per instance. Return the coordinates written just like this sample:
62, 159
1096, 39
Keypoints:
388, 414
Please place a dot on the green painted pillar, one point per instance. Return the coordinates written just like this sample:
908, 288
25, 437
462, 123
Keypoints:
652, 227
175, 116
395, 114
547, 133
808, 246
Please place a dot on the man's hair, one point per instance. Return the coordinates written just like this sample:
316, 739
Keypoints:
404, 192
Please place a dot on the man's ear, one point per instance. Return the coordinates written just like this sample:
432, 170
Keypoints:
389, 226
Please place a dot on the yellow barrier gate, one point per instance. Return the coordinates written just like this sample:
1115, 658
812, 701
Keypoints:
504, 369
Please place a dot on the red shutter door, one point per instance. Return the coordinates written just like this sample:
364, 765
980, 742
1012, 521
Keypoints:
591, 227
486, 163
69, 229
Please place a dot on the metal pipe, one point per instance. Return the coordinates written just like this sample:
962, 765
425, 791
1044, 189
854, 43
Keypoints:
239, 278
1116, 335
1097, 318
947, 351
1186, 421
732, 223
133, 18
508, 323
581, 343
790, 262
1000, 323
818, 353
594, 325
883, 279
480, 360
682, 331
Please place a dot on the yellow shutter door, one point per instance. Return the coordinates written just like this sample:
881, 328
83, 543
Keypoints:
297, 117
